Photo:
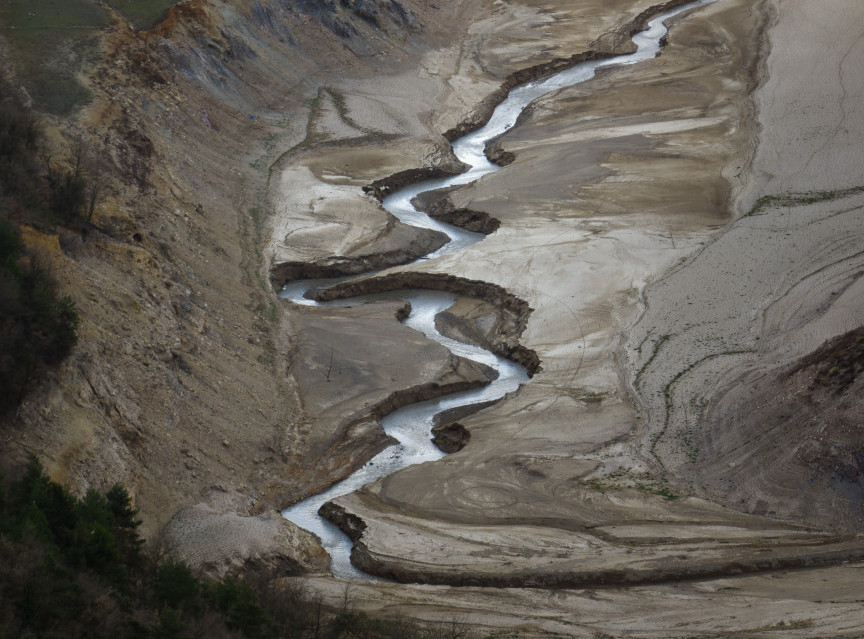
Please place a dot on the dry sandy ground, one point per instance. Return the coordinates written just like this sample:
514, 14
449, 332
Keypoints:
773, 287
182, 386
613, 182
359, 131
628, 180
813, 603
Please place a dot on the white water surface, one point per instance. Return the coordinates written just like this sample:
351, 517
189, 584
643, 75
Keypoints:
411, 424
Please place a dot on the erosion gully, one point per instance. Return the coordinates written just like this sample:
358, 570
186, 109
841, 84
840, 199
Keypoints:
411, 425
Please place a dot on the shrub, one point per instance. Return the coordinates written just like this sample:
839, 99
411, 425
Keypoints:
38, 327
175, 586
73, 567
236, 600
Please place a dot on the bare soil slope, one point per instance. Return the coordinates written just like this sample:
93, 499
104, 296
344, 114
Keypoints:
184, 386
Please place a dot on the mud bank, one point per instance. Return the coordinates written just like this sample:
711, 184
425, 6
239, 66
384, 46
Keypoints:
349, 398
507, 345
359, 441
607, 46
439, 207
422, 244
182, 386
190, 375
565, 433
666, 570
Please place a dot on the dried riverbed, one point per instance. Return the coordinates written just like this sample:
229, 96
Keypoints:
410, 426
612, 185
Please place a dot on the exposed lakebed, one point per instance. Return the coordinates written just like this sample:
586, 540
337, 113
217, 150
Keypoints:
411, 424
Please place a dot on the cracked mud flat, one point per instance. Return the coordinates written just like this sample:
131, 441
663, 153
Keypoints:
568, 482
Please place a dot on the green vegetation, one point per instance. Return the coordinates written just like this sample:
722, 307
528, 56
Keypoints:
38, 185
691, 451
800, 199
624, 479
75, 567
657, 344
142, 14
73, 28
265, 309
667, 494
49, 72
38, 325
590, 397
667, 389
61, 554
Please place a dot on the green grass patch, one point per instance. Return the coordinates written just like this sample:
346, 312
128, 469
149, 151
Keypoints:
51, 42
71, 29
75, 567
657, 344
39, 15
142, 14
800, 199
53, 89
42, 15
39, 326
668, 403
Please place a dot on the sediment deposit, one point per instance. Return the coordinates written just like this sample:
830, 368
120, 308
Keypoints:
617, 462
674, 253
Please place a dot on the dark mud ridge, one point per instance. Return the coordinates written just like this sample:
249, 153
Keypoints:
348, 523
495, 153
424, 392
436, 204
424, 242
664, 570
441, 208
385, 186
508, 347
450, 438
483, 112
448, 434
621, 43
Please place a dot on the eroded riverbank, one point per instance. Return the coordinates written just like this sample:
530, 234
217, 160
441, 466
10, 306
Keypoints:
567, 261
196, 389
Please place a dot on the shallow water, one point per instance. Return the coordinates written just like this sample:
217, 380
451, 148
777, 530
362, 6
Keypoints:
411, 424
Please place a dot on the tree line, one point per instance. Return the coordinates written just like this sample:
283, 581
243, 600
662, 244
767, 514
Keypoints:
77, 567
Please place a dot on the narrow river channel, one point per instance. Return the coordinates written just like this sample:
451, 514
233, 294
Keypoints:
411, 425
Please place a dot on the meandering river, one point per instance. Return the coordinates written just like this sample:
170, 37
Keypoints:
411, 424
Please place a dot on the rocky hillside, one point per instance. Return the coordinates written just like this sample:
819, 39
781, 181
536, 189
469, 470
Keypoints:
181, 385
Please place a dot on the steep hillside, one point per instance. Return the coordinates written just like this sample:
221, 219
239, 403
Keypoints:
674, 252
182, 385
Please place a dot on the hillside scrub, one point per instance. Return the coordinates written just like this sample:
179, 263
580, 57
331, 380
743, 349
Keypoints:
76, 567
38, 184
38, 324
